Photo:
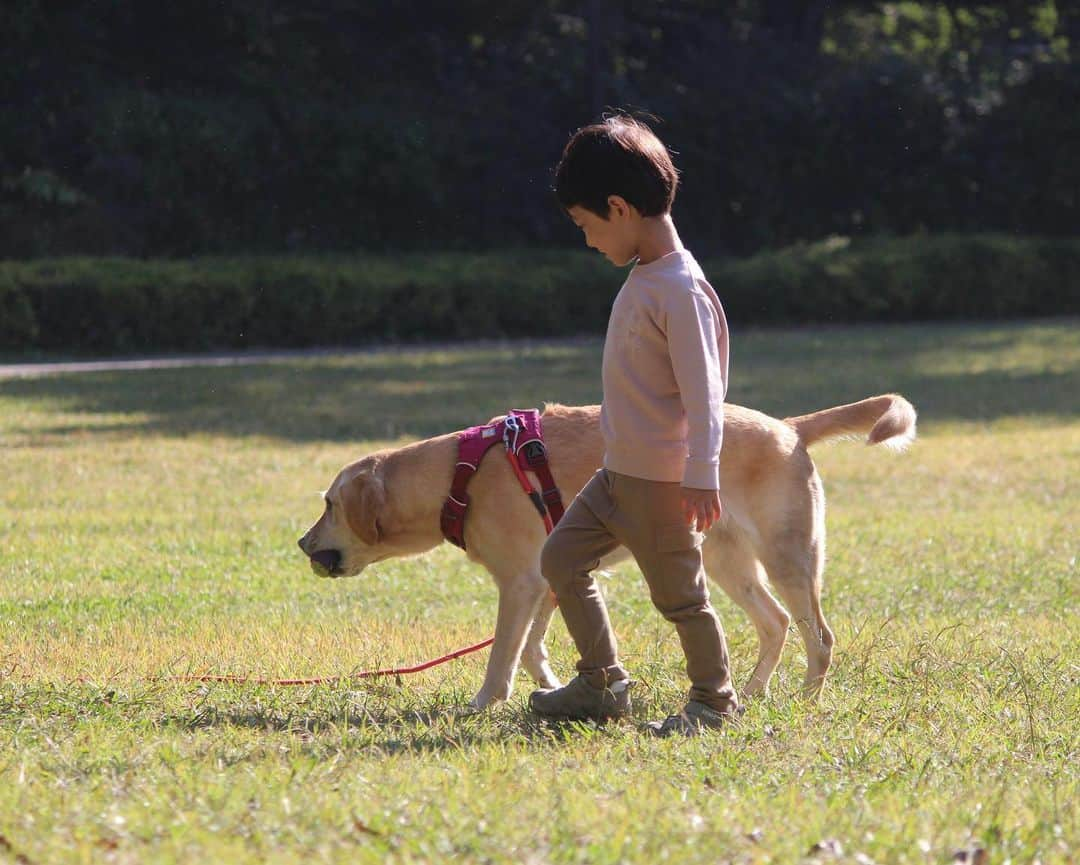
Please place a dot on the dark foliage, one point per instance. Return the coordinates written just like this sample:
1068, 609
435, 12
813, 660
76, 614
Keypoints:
149, 129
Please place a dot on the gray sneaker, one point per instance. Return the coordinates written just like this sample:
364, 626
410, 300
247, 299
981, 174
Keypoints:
580, 701
694, 718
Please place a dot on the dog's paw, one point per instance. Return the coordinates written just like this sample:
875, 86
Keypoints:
468, 710
480, 703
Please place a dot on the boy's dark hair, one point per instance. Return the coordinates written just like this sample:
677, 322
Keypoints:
618, 156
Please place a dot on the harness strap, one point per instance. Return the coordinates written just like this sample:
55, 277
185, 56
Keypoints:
452, 518
535, 454
531, 454
533, 495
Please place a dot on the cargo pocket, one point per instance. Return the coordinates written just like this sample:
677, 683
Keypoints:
598, 496
675, 537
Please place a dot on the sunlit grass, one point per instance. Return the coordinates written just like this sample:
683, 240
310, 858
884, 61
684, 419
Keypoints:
149, 523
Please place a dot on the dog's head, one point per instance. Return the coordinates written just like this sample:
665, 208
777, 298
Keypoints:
349, 535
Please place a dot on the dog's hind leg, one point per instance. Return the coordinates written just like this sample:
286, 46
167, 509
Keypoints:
519, 601
534, 658
732, 565
796, 576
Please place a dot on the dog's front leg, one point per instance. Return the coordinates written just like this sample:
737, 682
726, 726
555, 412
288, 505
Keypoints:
535, 657
519, 599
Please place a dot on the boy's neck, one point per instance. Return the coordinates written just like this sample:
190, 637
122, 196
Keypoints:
658, 238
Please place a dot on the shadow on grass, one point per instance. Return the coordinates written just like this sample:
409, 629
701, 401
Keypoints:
382, 720
950, 372
339, 398
390, 731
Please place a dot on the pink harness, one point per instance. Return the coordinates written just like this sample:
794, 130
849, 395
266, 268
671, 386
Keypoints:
522, 434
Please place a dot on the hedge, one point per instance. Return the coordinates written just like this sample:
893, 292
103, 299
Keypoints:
909, 279
84, 306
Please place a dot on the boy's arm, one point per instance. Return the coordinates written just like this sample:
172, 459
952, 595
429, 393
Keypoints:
694, 335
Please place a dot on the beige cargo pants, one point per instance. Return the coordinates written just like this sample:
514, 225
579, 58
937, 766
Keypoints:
647, 518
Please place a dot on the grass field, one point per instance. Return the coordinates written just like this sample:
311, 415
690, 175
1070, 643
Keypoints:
148, 525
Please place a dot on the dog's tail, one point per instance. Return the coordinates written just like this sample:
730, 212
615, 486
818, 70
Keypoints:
889, 420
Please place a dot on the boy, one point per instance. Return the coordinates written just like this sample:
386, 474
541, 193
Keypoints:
664, 376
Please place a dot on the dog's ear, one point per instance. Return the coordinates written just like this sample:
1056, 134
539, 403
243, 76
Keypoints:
363, 498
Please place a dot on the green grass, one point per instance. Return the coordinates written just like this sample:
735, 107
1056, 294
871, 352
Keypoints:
148, 523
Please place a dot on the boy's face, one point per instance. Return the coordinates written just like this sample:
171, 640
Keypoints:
617, 237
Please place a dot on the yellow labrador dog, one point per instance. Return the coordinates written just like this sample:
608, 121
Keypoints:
388, 504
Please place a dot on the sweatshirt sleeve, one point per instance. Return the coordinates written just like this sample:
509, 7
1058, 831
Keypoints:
695, 332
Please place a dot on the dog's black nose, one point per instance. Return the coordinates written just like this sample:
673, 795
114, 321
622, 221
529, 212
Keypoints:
329, 559
300, 543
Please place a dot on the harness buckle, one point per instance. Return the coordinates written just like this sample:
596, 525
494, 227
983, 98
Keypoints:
511, 425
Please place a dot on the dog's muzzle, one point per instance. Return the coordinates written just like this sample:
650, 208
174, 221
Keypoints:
326, 563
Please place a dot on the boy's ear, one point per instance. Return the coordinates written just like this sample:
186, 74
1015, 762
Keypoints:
618, 206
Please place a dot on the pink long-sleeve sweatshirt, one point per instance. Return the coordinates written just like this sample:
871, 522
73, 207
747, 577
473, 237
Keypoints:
665, 373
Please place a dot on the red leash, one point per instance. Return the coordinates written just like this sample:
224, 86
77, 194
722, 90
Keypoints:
328, 680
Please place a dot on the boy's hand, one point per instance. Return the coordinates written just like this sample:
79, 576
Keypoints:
701, 508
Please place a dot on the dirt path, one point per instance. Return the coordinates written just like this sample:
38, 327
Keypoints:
37, 370
248, 358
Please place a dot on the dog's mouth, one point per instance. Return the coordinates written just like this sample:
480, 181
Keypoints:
326, 563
